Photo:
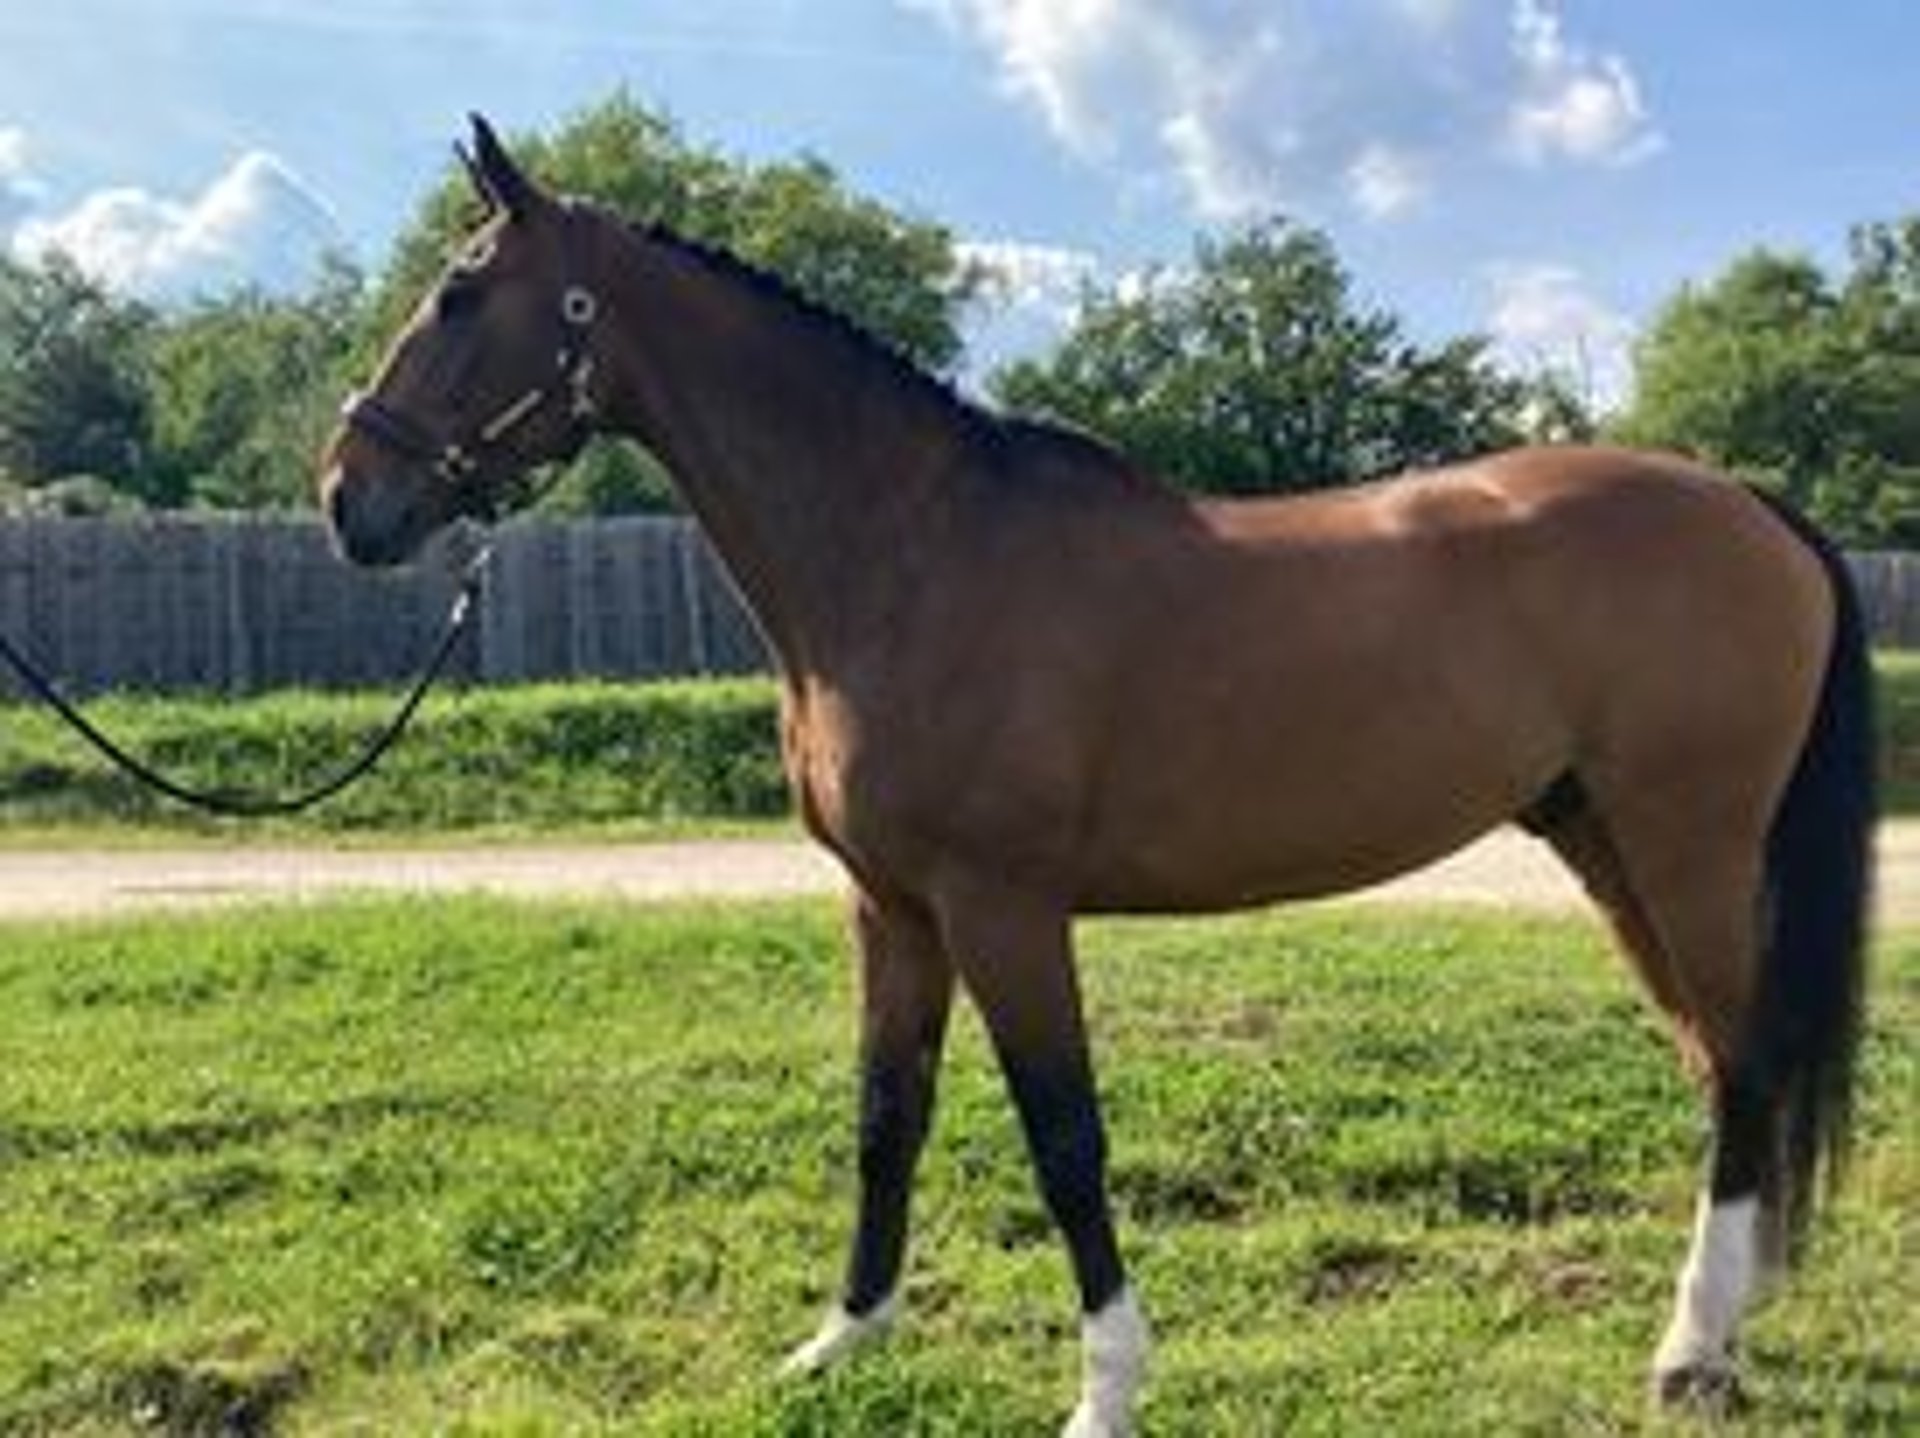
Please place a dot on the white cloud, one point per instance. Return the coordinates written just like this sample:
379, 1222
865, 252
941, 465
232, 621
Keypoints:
1573, 105
257, 223
20, 189
1258, 105
1030, 299
1063, 56
13, 154
1435, 14
1546, 320
1385, 182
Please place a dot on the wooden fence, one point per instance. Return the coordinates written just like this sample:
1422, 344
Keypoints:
240, 605
1890, 594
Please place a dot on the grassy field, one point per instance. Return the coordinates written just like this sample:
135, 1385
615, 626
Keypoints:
538, 759
485, 1168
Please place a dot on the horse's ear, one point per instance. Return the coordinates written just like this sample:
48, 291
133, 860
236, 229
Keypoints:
498, 177
481, 186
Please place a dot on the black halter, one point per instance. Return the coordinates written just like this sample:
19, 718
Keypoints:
459, 461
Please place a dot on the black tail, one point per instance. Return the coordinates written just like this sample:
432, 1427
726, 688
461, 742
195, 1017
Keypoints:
1805, 1028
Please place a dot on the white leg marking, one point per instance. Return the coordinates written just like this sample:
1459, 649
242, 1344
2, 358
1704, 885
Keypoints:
1713, 1290
841, 1335
1113, 1349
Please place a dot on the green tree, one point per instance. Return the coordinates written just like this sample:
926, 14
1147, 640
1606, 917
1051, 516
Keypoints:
898, 277
1255, 372
73, 381
1806, 381
245, 387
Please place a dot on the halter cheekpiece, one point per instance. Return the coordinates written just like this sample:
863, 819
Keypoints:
457, 461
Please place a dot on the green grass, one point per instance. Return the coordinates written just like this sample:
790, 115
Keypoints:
540, 759
488, 1168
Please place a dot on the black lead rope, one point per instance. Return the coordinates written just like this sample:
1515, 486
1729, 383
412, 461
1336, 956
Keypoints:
240, 805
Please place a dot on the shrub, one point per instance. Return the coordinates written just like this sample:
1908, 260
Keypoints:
539, 756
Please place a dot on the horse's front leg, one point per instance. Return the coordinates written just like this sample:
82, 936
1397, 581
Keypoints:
1015, 956
906, 995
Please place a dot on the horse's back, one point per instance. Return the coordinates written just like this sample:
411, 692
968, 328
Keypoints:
1351, 685
1585, 551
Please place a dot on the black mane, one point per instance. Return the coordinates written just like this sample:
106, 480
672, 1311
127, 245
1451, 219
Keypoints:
984, 426
822, 317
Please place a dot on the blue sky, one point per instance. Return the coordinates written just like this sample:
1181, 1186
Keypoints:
1543, 170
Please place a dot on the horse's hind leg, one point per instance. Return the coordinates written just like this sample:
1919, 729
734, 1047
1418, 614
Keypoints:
1684, 900
1714, 941
1685, 916
1579, 836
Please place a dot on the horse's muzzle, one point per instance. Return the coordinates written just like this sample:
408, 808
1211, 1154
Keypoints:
368, 528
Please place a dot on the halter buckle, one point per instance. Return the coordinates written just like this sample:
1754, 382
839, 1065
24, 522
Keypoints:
578, 306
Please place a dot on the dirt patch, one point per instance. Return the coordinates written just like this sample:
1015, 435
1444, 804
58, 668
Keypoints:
1506, 869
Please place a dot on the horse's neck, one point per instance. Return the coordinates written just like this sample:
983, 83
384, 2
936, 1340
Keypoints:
812, 486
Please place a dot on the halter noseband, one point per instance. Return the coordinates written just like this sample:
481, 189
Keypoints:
457, 462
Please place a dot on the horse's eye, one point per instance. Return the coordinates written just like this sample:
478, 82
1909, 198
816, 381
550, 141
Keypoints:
455, 301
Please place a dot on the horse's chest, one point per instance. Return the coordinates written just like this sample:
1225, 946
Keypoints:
837, 771
894, 797
814, 755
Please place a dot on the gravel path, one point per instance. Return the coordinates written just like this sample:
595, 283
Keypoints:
1506, 869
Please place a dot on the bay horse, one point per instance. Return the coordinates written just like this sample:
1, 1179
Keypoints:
1022, 681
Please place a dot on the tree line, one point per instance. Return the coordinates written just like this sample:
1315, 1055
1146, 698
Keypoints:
1253, 368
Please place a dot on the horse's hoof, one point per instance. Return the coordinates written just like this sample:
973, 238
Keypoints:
1708, 1389
841, 1335
1114, 1345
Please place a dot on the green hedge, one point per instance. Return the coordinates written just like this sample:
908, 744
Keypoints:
538, 757
1900, 731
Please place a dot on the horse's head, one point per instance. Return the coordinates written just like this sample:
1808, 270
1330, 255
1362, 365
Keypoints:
490, 377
